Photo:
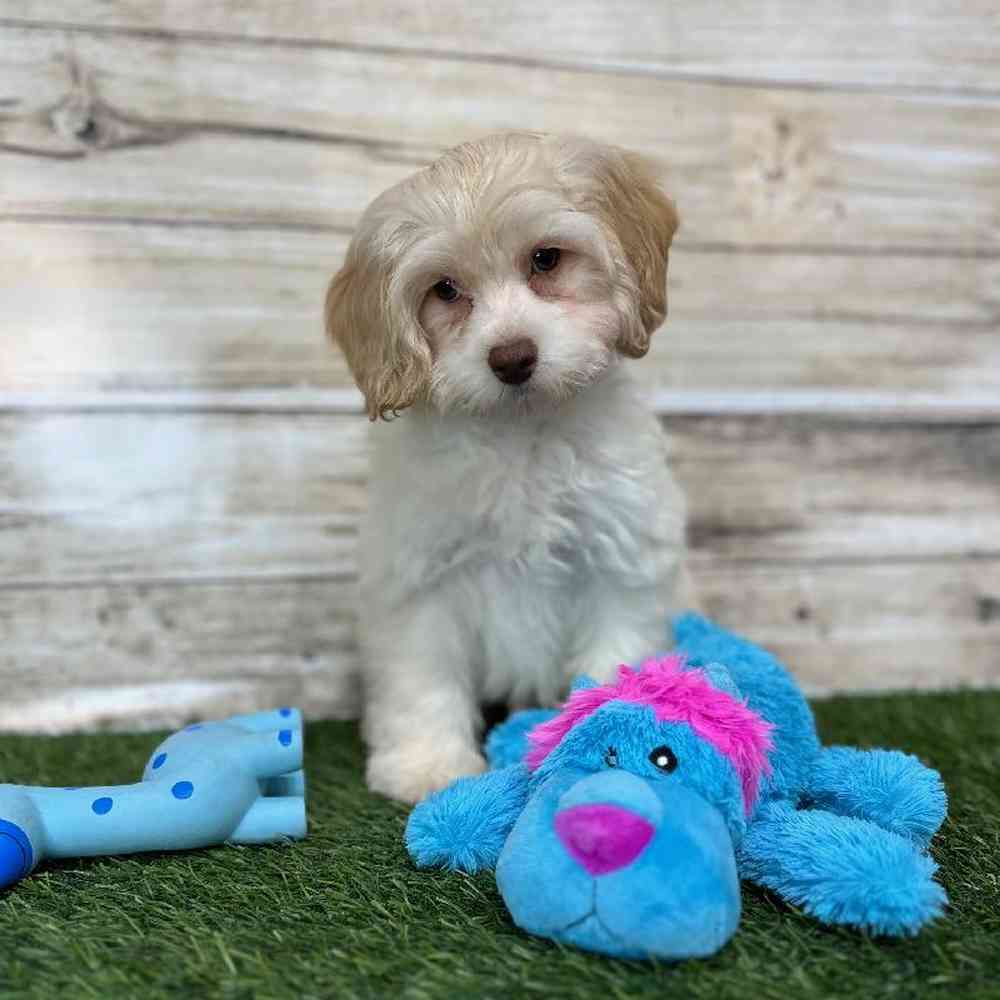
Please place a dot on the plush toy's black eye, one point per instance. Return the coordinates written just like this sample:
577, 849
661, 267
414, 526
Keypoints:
611, 757
445, 290
545, 259
663, 758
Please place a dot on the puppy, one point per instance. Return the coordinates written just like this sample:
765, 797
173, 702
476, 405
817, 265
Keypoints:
523, 525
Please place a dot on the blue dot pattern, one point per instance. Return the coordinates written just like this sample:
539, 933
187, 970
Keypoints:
158, 760
191, 729
182, 790
285, 737
102, 806
284, 712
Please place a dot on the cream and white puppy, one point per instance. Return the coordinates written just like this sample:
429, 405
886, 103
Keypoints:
523, 525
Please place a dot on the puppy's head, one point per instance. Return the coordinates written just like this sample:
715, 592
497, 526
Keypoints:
509, 273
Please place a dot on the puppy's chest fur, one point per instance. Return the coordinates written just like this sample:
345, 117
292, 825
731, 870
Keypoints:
535, 500
586, 491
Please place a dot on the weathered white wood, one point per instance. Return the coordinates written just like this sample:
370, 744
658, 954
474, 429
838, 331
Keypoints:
130, 496
772, 489
126, 307
153, 655
261, 133
112, 497
867, 627
923, 44
101, 655
153, 705
180, 482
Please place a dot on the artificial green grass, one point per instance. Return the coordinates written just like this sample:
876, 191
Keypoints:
344, 914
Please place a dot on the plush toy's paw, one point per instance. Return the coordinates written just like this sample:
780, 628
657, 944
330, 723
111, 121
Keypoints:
415, 770
887, 787
843, 870
464, 826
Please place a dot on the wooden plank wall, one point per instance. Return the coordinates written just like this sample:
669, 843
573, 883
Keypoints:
182, 460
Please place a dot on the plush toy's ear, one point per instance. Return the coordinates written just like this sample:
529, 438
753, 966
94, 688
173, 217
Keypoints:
720, 678
583, 683
507, 743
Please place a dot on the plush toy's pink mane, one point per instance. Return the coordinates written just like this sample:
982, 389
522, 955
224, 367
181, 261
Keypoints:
675, 695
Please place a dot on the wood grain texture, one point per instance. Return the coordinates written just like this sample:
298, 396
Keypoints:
180, 481
261, 134
140, 655
123, 307
785, 490
925, 44
129, 497
867, 627
116, 497
100, 656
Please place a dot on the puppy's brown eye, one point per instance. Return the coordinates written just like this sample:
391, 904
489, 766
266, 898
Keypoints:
545, 259
445, 290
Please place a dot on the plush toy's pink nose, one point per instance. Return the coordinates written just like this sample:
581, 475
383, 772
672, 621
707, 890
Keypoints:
603, 838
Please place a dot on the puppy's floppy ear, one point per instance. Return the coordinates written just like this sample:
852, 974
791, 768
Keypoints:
645, 220
621, 190
385, 349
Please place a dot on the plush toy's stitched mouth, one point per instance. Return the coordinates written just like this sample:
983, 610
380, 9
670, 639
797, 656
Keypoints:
591, 914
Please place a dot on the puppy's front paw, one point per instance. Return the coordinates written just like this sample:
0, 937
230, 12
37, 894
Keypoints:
417, 770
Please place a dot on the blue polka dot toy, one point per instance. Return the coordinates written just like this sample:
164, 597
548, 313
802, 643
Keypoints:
238, 781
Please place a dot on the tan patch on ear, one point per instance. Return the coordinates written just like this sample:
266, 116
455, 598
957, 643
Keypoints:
387, 354
646, 223
623, 193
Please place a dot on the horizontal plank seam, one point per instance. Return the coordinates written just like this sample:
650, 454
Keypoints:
294, 656
177, 582
693, 246
973, 407
833, 250
264, 579
228, 680
62, 219
523, 62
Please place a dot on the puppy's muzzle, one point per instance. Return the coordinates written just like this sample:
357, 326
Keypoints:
514, 363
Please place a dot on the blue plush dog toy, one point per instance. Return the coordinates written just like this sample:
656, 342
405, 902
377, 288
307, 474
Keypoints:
623, 822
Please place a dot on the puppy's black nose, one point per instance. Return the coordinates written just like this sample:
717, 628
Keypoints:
513, 363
